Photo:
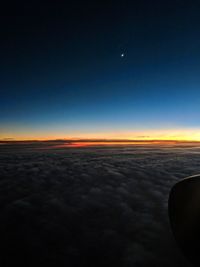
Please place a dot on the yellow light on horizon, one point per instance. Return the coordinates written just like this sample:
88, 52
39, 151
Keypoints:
162, 135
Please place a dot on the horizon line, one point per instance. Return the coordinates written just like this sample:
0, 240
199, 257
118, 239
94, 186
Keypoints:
9, 140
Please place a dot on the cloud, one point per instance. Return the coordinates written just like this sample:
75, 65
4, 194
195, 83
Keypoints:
91, 206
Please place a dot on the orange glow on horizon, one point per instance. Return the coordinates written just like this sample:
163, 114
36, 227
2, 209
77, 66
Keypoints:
87, 144
149, 135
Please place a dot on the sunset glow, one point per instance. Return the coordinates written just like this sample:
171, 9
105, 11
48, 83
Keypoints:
177, 135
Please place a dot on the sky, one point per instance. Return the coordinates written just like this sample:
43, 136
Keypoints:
62, 73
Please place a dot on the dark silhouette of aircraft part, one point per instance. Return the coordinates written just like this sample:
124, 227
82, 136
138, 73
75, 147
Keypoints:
184, 215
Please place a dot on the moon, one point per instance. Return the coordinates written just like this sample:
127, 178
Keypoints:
122, 55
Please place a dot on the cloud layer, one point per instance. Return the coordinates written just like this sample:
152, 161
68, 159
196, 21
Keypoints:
104, 206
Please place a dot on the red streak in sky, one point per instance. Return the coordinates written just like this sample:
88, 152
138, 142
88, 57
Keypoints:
87, 144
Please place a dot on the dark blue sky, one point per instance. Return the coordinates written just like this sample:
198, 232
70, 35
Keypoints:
62, 73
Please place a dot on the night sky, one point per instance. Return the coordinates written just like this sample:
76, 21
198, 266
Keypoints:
123, 69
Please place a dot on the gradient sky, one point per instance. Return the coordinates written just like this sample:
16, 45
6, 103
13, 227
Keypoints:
62, 74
